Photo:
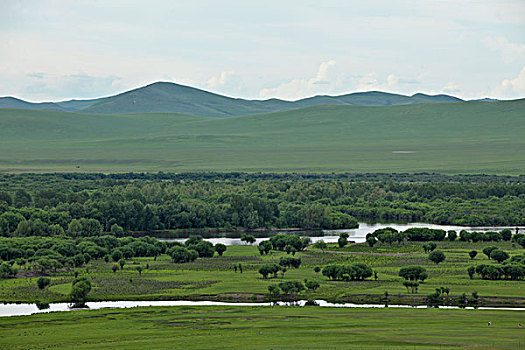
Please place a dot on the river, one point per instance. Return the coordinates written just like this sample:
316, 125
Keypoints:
30, 309
357, 235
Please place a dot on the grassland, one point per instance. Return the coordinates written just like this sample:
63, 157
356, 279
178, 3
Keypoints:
265, 328
474, 137
215, 279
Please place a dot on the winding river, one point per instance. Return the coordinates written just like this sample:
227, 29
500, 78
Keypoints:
30, 309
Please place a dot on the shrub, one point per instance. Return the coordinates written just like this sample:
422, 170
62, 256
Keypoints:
43, 282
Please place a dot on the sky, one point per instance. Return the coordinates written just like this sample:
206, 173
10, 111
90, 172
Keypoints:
58, 50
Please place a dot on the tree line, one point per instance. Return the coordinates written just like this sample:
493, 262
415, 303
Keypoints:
83, 206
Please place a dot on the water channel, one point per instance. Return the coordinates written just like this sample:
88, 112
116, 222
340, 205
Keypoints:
358, 235
29, 309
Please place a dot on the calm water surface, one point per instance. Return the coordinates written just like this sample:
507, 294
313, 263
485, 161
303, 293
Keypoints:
357, 235
29, 309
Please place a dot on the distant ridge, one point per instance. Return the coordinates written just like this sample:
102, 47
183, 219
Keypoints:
169, 97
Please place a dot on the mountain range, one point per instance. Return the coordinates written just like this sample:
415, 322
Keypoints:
166, 97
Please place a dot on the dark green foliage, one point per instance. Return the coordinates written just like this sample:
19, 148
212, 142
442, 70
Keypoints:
472, 254
203, 248
411, 285
116, 255
43, 282
220, 248
499, 255
264, 247
250, 239
281, 241
80, 289
269, 269
291, 287
320, 245
425, 234
488, 250
437, 256
355, 272
121, 203
182, 255
452, 235
311, 285
6, 270
413, 273
342, 242
471, 270
290, 262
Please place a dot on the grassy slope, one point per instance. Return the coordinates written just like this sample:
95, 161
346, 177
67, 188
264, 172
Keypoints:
169, 97
466, 137
265, 328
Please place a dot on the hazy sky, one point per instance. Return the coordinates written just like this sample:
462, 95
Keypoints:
53, 50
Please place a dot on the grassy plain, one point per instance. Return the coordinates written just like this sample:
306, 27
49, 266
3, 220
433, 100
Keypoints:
215, 279
208, 327
473, 137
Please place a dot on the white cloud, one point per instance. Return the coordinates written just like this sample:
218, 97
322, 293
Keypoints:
370, 82
324, 81
451, 88
509, 51
227, 83
512, 87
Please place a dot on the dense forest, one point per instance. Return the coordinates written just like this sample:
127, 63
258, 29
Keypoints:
89, 204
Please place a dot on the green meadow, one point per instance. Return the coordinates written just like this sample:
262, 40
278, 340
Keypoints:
470, 137
215, 278
232, 327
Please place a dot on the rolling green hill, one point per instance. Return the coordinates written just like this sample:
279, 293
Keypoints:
166, 97
469, 137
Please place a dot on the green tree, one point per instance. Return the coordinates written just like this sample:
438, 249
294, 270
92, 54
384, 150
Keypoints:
472, 254
80, 289
489, 250
311, 285
43, 282
320, 245
220, 248
117, 231
499, 255
249, 239
437, 256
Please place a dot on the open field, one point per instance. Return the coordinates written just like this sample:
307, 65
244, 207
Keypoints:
474, 137
265, 328
215, 279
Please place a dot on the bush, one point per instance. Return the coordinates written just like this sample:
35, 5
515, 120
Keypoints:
472, 254
220, 248
80, 289
268, 269
489, 250
43, 282
499, 255
355, 272
436, 256
413, 273
182, 255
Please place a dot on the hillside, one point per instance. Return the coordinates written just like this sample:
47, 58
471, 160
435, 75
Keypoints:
174, 98
472, 137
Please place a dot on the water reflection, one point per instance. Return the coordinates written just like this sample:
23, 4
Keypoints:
357, 235
29, 309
